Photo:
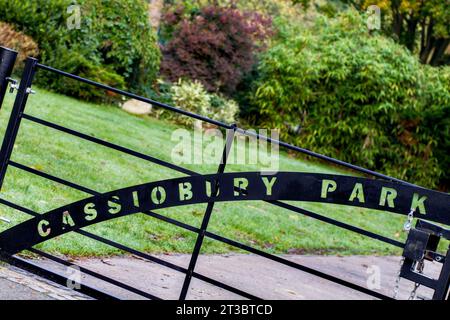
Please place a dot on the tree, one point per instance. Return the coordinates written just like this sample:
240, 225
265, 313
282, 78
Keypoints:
215, 45
423, 26
339, 90
109, 46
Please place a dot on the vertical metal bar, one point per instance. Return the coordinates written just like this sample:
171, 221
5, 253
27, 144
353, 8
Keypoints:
7, 60
443, 283
16, 115
207, 216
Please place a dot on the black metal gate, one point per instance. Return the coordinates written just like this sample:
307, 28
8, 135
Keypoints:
421, 244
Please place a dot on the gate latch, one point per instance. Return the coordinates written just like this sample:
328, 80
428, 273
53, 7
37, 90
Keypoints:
422, 244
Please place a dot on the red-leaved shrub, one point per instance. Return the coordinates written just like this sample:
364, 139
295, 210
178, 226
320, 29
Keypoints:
216, 45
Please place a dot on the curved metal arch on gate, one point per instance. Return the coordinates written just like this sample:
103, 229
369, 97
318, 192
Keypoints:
242, 186
380, 193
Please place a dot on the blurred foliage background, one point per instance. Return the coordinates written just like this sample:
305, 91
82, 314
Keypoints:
312, 68
114, 44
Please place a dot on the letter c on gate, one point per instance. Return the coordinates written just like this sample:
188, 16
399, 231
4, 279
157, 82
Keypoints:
43, 233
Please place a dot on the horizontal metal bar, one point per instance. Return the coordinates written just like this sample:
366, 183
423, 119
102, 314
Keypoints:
52, 276
134, 96
108, 144
131, 250
265, 255
229, 241
325, 158
420, 278
18, 207
301, 211
186, 171
338, 223
262, 253
297, 266
225, 286
173, 221
436, 229
94, 274
125, 248
276, 203
101, 239
141, 254
50, 177
227, 126
168, 264
86, 233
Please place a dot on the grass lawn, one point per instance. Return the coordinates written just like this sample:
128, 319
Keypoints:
259, 224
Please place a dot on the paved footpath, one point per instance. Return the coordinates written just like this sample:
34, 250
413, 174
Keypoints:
258, 276
16, 284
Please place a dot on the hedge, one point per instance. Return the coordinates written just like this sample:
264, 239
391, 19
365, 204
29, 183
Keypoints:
362, 98
114, 44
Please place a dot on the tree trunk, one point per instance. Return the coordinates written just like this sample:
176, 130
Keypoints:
428, 43
410, 36
154, 12
439, 51
423, 26
397, 23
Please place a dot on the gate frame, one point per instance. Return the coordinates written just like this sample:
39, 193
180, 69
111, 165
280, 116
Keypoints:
18, 113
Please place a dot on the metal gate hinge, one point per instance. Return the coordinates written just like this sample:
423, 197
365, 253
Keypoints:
30, 91
13, 84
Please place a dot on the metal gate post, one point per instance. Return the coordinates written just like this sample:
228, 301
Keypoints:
7, 60
16, 115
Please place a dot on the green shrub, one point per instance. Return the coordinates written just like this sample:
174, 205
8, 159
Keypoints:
223, 109
272, 8
77, 63
114, 44
364, 99
193, 97
190, 96
436, 116
214, 45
